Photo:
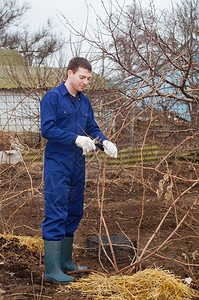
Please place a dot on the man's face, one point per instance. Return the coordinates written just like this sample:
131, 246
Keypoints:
79, 79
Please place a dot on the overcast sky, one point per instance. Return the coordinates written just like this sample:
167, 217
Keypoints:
74, 10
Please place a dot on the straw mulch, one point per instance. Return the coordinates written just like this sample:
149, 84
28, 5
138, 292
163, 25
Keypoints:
33, 244
150, 284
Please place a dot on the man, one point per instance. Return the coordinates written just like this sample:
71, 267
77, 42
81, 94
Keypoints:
67, 122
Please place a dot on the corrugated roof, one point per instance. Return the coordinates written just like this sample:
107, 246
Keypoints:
16, 74
10, 58
12, 77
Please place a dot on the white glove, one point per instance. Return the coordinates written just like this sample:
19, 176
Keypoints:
110, 148
85, 143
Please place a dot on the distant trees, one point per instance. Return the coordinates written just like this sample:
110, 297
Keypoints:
36, 46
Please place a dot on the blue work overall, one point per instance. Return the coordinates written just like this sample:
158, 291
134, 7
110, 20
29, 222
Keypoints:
62, 120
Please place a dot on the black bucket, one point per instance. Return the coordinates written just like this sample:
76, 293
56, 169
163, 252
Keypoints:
124, 248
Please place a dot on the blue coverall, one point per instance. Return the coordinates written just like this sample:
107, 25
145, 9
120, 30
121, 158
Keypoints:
64, 165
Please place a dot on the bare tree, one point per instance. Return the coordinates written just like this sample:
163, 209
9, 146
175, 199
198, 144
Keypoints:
10, 14
36, 46
157, 51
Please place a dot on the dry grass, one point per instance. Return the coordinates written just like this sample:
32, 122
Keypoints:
33, 244
150, 284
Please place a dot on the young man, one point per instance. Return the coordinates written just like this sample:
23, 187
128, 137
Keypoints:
67, 122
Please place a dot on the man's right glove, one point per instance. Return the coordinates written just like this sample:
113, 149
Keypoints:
85, 143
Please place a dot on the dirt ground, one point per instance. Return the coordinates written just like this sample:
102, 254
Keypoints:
21, 272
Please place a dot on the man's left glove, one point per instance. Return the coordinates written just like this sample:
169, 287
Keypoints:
110, 148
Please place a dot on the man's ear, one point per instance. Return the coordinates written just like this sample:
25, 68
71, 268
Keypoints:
69, 73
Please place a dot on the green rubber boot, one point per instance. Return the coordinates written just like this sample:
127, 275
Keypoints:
66, 255
52, 256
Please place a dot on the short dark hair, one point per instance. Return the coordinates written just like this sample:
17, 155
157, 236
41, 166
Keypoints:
77, 62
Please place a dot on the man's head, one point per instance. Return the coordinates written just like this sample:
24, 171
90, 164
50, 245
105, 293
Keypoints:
77, 62
78, 75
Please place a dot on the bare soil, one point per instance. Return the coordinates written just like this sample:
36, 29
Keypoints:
21, 272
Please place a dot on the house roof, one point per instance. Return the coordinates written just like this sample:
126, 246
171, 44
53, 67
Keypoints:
16, 74
10, 57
